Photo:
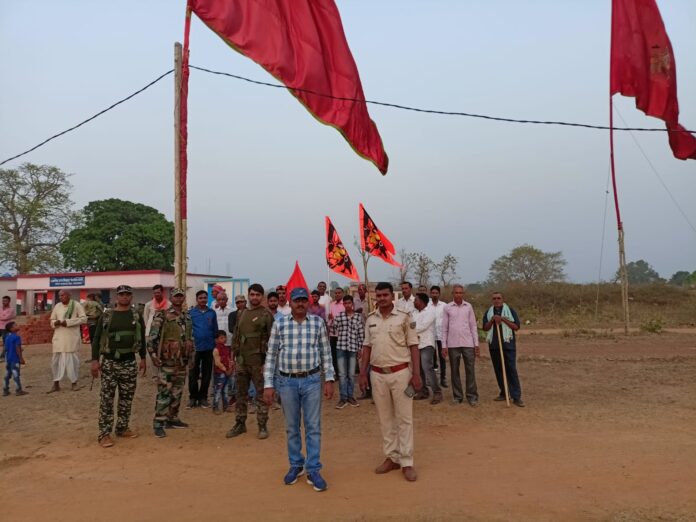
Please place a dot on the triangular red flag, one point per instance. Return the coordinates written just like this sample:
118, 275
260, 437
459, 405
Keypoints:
296, 280
642, 65
336, 254
373, 241
302, 44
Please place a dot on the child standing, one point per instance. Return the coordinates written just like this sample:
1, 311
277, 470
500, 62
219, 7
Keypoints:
222, 371
14, 359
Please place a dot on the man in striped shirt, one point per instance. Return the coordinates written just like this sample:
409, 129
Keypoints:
299, 349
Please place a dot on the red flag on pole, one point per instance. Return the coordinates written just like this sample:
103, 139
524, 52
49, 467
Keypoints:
302, 44
373, 241
296, 280
642, 65
336, 254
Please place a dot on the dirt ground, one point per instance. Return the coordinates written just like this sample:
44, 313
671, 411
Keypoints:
609, 433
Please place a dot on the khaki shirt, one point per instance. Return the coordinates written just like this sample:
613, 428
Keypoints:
390, 338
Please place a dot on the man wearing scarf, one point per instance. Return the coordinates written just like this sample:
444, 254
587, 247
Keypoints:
500, 318
66, 318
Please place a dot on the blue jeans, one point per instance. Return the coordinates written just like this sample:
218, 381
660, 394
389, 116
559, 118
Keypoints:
301, 400
220, 387
13, 371
346, 373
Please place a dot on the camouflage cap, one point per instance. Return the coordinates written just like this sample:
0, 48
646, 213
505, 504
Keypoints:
178, 291
124, 289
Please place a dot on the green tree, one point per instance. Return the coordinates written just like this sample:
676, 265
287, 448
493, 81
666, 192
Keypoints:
640, 273
680, 278
35, 216
120, 235
527, 264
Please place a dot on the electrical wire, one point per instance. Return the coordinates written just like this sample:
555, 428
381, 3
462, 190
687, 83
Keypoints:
308, 91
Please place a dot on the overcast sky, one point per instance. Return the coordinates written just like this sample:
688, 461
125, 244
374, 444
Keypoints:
263, 173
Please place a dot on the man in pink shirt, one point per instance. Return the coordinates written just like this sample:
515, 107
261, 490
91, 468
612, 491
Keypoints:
335, 308
7, 314
460, 341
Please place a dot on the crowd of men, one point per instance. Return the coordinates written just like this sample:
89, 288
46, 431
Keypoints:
271, 351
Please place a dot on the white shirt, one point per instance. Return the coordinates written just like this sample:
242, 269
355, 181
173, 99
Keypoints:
425, 326
406, 306
439, 308
223, 320
325, 301
285, 310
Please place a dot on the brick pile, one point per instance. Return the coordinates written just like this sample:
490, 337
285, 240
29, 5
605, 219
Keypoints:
36, 330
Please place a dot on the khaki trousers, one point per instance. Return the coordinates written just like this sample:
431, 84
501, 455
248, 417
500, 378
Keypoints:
395, 412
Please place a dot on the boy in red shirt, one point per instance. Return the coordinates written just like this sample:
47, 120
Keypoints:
223, 371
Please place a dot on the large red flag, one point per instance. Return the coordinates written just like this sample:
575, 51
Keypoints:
296, 280
336, 254
373, 241
302, 44
642, 65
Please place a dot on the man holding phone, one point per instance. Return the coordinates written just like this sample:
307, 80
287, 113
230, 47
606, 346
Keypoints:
390, 351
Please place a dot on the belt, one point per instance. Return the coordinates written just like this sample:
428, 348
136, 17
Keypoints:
300, 374
390, 369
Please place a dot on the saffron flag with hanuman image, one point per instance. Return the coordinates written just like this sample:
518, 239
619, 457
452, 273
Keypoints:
336, 254
373, 241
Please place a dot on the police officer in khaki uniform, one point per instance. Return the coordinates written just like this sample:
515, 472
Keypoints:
390, 352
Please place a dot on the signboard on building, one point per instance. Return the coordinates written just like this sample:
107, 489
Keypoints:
59, 281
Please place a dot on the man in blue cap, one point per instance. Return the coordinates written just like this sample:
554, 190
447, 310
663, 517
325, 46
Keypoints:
299, 350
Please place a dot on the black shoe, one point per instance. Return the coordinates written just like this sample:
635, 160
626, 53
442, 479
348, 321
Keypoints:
204, 403
191, 404
160, 433
499, 398
176, 424
5, 393
519, 402
444, 384
263, 432
237, 429
473, 404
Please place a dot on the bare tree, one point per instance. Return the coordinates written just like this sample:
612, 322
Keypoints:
406, 265
446, 270
422, 267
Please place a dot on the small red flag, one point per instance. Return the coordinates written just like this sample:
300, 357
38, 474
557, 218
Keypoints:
373, 241
336, 254
296, 280
302, 44
642, 65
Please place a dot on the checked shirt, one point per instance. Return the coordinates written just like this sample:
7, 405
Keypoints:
298, 347
350, 332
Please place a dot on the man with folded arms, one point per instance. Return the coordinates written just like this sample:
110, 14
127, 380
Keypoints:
299, 349
390, 352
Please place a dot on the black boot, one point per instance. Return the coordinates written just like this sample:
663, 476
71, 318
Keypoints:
263, 432
238, 428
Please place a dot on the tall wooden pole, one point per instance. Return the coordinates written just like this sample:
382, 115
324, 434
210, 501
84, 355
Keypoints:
502, 364
180, 232
622, 251
365, 259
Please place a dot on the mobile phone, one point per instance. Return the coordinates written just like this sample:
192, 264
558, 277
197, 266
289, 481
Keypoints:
410, 391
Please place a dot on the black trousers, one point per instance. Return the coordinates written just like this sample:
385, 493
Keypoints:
203, 367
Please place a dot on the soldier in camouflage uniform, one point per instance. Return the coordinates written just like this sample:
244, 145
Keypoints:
170, 345
119, 334
249, 345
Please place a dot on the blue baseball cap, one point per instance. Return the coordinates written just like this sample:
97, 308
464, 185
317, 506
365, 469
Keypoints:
299, 293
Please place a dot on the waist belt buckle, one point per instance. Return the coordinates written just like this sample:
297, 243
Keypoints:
387, 369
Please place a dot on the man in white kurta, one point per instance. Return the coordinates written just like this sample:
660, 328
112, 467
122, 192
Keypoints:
66, 318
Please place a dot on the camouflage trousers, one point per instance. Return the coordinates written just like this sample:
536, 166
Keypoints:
250, 369
170, 386
124, 376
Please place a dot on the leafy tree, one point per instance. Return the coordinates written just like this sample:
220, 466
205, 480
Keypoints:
680, 278
640, 273
35, 216
527, 264
446, 269
120, 235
